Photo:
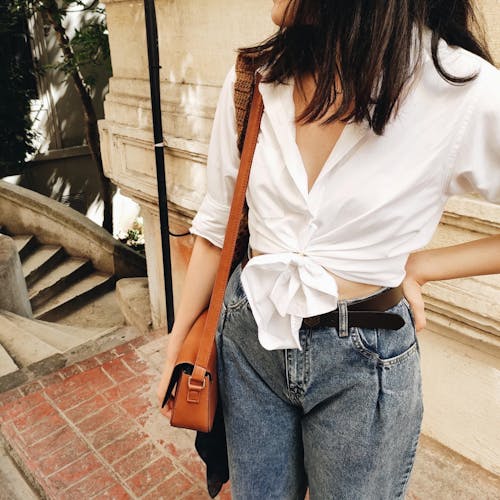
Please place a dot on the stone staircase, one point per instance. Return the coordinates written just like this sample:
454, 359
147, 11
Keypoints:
60, 287
57, 282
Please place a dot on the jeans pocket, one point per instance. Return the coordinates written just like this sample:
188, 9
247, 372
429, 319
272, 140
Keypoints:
387, 347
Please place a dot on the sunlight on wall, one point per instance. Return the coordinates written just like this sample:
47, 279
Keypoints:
144, 117
58, 190
191, 98
12, 179
125, 210
95, 211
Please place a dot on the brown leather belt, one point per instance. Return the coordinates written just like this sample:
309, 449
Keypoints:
364, 313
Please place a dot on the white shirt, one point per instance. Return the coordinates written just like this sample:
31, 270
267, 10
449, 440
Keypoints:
376, 199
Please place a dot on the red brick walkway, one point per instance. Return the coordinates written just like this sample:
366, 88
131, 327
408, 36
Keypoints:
92, 430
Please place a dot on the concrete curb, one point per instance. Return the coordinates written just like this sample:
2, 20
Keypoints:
108, 339
17, 481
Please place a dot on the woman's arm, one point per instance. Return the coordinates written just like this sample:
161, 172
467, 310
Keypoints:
198, 285
209, 225
473, 258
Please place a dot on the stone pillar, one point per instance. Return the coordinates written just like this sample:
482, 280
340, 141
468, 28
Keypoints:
156, 283
180, 250
195, 55
13, 292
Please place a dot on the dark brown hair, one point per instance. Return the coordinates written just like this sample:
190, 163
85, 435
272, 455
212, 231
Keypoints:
372, 48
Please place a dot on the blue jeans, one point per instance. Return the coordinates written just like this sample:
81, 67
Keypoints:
342, 417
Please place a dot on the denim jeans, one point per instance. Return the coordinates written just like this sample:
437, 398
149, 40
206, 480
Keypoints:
342, 417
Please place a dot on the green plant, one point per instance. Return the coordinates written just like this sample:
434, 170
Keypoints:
91, 47
17, 88
81, 55
134, 237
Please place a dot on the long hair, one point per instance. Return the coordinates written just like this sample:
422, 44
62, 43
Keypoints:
364, 53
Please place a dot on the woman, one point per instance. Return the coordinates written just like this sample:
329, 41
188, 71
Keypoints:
375, 113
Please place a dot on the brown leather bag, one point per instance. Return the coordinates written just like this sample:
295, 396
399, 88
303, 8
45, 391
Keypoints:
195, 374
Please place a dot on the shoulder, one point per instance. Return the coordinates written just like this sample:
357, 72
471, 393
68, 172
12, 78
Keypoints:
240, 76
460, 62
484, 90
488, 84
474, 97
226, 93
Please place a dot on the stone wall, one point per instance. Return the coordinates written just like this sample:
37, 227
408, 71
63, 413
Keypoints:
461, 345
489, 11
195, 54
197, 39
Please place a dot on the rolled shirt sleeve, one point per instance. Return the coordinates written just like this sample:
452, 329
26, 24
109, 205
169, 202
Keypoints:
476, 159
222, 167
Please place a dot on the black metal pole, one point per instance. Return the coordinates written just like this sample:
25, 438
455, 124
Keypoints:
154, 81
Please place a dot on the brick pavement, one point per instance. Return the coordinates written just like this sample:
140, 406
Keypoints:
92, 430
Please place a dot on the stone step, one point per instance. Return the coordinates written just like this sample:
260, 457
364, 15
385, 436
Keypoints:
40, 261
75, 331
102, 311
75, 295
69, 271
23, 346
7, 364
132, 295
14, 485
25, 243
60, 337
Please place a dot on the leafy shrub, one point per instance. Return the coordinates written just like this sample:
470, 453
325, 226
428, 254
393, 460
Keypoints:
17, 88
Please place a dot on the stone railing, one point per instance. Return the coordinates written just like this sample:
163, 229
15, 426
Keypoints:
24, 211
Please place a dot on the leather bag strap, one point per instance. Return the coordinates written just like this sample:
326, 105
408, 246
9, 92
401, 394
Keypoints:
206, 344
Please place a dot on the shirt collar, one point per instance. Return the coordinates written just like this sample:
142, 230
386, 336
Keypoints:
279, 109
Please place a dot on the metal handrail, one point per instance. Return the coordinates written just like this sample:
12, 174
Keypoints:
154, 82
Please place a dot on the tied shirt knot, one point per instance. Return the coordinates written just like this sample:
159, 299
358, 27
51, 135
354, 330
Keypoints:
282, 290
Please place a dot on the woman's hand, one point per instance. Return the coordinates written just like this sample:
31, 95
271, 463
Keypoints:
174, 344
412, 289
162, 389
473, 258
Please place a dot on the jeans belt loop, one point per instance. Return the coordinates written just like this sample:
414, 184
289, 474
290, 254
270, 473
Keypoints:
343, 319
